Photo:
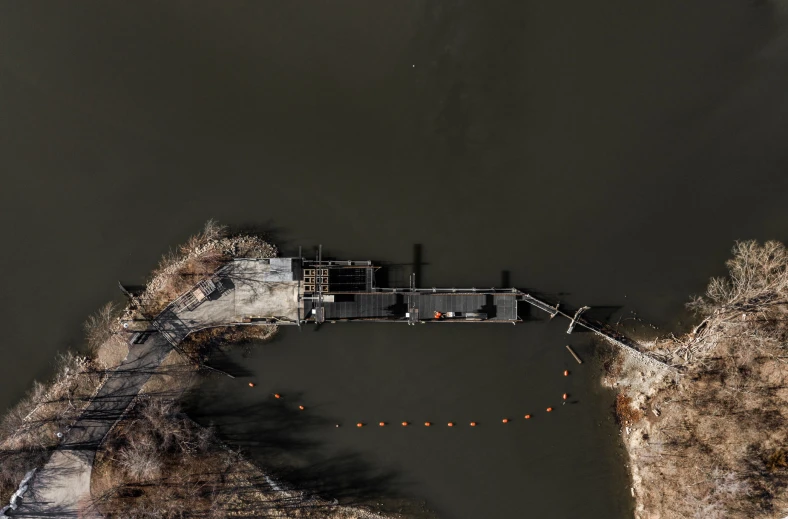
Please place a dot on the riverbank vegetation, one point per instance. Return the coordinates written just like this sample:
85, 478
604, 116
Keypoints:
711, 440
198, 258
199, 345
158, 463
28, 432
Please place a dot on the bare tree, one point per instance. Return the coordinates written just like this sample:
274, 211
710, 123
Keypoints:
716, 448
101, 326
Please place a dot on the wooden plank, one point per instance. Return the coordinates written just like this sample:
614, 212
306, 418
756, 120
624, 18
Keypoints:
574, 354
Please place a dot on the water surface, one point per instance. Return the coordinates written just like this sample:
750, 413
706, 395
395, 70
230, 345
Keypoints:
607, 153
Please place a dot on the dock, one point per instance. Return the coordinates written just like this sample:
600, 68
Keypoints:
347, 291
301, 291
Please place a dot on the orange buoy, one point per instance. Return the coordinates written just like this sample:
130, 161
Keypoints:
549, 409
527, 417
451, 424
359, 424
473, 424
301, 407
277, 395
565, 396
566, 372
382, 424
404, 424
251, 384
427, 424
505, 420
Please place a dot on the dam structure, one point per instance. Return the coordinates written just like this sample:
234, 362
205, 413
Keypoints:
346, 291
298, 291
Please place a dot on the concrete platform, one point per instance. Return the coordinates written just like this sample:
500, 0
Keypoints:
262, 289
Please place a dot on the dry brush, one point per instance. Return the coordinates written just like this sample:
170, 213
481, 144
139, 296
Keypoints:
712, 442
28, 430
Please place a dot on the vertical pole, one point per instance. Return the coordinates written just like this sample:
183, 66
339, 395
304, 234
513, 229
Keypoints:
319, 285
298, 294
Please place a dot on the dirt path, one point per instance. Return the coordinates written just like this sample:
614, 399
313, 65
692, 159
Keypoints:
62, 487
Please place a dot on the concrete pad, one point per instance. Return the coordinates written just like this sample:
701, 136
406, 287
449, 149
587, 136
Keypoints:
60, 489
256, 296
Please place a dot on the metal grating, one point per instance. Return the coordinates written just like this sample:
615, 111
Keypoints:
379, 305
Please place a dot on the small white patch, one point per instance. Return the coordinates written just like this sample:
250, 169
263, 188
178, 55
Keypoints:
273, 485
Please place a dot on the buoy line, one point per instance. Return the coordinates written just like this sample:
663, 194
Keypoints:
406, 423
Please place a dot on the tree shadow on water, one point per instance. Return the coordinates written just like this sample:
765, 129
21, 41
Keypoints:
281, 439
220, 360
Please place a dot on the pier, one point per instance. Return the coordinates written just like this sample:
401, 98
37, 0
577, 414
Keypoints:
298, 291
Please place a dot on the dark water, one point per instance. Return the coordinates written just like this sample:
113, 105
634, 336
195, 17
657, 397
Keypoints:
564, 464
607, 153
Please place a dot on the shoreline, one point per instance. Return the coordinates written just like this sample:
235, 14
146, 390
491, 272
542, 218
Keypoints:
709, 440
82, 377
687, 451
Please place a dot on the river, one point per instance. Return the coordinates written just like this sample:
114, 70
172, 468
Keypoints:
603, 153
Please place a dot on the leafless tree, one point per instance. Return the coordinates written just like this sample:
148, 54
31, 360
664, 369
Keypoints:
716, 449
101, 326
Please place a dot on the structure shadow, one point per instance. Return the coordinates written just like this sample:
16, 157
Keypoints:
527, 313
397, 274
602, 314
598, 314
418, 262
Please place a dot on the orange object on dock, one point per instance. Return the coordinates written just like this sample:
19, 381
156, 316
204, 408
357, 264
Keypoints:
566, 372
437, 315
251, 384
451, 424
565, 396
404, 424
359, 424
382, 424
427, 424
473, 424
277, 395
505, 420
549, 409
301, 407
527, 417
